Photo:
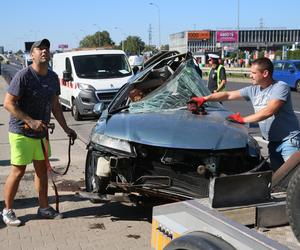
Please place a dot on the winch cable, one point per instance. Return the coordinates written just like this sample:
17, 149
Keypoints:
45, 147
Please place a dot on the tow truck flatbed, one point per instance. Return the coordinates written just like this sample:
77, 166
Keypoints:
235, 225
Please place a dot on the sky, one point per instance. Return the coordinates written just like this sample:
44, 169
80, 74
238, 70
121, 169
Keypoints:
68, 21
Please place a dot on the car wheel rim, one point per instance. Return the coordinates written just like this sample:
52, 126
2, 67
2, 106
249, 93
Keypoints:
74, 109
91, 178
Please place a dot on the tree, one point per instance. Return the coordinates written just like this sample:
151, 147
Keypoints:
19, 52
164, 47
134, 45
99, 39
150, 48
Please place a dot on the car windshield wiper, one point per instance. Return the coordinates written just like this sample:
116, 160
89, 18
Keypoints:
114, 111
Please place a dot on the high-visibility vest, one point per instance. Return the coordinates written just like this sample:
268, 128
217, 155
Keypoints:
218, 76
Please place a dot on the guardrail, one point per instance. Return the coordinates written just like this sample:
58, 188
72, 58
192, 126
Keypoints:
245, 72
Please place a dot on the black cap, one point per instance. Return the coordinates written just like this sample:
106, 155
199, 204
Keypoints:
44, 42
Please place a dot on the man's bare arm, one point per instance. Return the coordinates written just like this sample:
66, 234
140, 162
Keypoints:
272, 108
224, 96
59, 116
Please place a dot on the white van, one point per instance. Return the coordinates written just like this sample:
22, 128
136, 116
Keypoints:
88, 77
27, 60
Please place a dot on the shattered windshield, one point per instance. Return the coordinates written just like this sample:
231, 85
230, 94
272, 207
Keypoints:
175, 93
101, 66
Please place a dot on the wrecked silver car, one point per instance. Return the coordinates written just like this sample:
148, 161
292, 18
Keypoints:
153, 145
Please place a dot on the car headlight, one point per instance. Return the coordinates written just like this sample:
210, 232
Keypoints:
110, 142
86, 87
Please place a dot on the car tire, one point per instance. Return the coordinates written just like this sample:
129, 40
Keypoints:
293, 203
94, 183
297, 86
75, 112
198, 241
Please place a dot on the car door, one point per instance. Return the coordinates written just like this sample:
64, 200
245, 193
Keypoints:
65, 85
278, 71
288, 74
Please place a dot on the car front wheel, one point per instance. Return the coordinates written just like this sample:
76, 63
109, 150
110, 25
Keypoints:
93, 182
75, 112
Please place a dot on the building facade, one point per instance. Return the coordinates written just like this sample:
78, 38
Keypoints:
198, 41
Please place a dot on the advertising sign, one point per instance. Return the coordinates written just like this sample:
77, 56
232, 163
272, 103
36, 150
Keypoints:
63, 46
198, 35
227, 36
28, 46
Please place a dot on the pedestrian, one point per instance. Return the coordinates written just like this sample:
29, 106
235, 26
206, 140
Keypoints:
30, 98
216, 75
273, 111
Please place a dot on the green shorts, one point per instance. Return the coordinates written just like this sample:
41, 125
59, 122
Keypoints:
24, 150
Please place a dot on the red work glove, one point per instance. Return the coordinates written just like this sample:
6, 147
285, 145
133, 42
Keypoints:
237, 118
198, 100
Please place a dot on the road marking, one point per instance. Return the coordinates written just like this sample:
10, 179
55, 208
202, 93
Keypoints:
297, 112
260, 139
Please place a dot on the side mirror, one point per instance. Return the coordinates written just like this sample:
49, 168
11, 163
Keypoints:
67, 76
98, 108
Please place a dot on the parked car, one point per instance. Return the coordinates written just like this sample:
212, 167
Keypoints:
289, 72
155, 145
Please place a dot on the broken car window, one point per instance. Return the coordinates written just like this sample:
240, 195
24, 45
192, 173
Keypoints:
174, 94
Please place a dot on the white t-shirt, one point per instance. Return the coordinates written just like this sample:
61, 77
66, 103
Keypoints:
282, 125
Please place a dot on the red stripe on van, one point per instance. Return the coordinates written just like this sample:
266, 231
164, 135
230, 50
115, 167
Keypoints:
69, 84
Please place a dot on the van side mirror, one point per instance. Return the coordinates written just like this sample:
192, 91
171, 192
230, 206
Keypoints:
135, 69
98, 108
67, 76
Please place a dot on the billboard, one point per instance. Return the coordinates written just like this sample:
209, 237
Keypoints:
28, 46
198, 35
227, 36
63, 46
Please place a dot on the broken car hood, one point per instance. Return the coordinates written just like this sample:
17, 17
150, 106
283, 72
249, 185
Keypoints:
176, 129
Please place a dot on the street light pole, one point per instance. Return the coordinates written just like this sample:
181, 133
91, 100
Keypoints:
159, 41
122, 42
238, 29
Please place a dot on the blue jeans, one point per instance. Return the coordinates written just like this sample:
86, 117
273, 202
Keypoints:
282, 151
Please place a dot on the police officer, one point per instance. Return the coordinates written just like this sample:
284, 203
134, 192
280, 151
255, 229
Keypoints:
217, 75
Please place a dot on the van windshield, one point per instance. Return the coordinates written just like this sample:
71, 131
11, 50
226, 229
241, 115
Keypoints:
101, 66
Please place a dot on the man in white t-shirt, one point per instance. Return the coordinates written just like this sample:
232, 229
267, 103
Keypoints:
273, 111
